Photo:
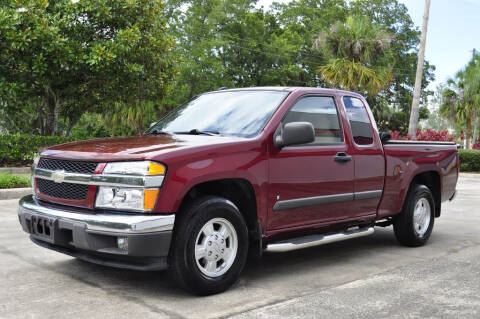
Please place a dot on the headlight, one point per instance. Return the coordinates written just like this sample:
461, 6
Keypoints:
134, 168
135, 199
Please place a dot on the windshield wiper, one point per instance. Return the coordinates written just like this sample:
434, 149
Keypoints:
198, 132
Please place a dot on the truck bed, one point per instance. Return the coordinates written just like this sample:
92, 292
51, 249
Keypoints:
404, 159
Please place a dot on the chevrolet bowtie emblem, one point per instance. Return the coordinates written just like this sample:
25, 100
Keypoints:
58, 176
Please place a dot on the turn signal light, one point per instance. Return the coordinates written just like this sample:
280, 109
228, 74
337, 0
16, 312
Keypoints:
149, 198
156, 169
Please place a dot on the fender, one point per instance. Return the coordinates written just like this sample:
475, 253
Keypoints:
249, 165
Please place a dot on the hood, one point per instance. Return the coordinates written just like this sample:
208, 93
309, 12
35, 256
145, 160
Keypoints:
131, 148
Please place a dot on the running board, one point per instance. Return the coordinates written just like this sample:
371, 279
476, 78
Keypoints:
316, 240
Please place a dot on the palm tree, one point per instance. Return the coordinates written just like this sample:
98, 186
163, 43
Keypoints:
136, 116
359, 54
470, 99
461, 98
449, 97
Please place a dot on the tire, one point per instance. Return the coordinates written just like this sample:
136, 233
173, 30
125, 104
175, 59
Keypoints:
202, 260
413, 229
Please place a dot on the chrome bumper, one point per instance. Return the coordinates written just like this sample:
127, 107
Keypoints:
105, 222
121, 240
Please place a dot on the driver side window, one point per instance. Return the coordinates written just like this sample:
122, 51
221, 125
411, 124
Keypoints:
321, 111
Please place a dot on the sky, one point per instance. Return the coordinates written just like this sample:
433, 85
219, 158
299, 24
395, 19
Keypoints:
453, 32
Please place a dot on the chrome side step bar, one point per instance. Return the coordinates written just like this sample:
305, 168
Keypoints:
316, 240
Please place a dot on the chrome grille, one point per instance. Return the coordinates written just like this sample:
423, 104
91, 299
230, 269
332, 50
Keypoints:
62, 190
67, 166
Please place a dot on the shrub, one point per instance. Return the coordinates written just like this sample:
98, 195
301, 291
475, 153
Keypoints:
13, 181
21, 149
469, 160
426, 135
476, 146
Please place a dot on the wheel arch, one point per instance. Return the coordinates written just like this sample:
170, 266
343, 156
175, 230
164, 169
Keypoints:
241, 193
430, 179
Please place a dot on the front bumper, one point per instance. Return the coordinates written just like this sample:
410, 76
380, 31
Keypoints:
95, 237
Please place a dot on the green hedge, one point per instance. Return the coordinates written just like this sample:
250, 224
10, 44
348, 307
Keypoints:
469, 160
13, 181
21, 149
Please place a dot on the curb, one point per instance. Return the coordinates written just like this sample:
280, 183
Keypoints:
14, 193
470, 175
16, 170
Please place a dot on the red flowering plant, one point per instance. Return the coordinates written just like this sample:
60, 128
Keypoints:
425, 135
476, 146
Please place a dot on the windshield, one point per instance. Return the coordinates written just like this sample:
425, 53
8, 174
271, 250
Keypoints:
238, 113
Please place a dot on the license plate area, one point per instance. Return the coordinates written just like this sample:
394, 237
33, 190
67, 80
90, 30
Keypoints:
42, 227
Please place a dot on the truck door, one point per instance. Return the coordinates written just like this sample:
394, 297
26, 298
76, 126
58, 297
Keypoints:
367, 154
311, 183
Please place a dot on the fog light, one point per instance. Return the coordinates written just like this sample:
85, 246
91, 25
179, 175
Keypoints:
122, 243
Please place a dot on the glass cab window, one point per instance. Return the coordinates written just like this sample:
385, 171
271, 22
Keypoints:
241, 113
321, 111
359, 121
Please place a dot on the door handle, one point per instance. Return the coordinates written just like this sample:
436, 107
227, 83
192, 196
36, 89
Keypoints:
342, 157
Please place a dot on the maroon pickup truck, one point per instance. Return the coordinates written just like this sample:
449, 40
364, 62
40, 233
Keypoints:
231, 174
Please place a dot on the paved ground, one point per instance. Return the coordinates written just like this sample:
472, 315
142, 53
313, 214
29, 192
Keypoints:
371, 277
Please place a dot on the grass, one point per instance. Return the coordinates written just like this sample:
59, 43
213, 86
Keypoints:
13, 181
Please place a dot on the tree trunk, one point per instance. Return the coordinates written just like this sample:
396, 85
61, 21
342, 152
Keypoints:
192, 90
413, 126
475, 127
56, 111
71, 124
53, 106
469, 133
452, 111
140, 122
139, 128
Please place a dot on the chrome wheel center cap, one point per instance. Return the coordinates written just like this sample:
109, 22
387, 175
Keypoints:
216, 246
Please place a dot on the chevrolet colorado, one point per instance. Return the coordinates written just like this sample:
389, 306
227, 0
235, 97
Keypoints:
233, 173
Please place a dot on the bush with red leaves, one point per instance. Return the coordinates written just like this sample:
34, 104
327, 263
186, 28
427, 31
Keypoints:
476, 146
426, 135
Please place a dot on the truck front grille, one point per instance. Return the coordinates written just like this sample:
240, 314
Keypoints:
62, 190
67, 166
67, 191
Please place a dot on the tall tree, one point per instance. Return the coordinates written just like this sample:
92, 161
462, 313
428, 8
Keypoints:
360, 56
71, 56
304, 20
233, 44
412, 128
461, 97
392, 106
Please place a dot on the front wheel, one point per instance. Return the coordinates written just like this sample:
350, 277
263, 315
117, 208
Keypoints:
210, 246
414, 224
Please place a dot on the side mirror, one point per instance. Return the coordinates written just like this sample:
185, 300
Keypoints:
295, 133
385, 137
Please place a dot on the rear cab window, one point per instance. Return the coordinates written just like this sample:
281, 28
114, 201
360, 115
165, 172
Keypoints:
362, 130
322, 112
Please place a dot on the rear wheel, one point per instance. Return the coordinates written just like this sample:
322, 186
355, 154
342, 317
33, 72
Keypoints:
210, 246
414, 225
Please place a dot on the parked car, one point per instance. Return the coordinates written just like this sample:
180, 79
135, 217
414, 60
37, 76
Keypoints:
231, 174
